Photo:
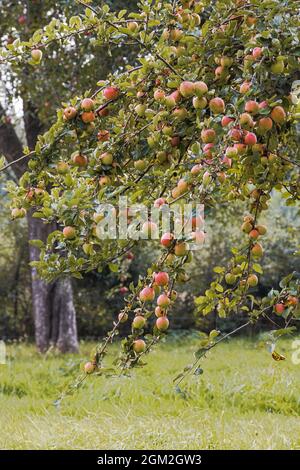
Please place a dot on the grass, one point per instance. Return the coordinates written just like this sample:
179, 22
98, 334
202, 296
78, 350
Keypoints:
243, 400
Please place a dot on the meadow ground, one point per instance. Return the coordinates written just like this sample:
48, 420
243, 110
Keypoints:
243, 400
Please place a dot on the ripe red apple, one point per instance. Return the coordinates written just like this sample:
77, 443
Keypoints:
279, 308
252, 107
167, 239
163, 301
217, 106
207, 150
147, 294
208, 135
80, 160
257, 250
87, 104
220, 72
89, 367
278, 115
69, 232
257, 52
70, 113
111, 93
159, 95
235, 134
254, 234
88, 116
162, 323
187, 89
138, 322
161, 278
139, 346
265, 124
250, 139
200, 88
226, 120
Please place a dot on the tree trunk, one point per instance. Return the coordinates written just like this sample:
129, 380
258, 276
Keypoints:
53, 308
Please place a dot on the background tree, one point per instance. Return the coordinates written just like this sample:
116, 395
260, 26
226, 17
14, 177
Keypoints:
39, 94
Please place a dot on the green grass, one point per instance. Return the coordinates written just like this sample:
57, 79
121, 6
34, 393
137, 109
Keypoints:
243, 400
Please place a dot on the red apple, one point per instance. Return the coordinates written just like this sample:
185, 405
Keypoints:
162, 323
217, 106
87, 104
167, 239
111, 93
139, 346
69, 232
161, 278
147, 294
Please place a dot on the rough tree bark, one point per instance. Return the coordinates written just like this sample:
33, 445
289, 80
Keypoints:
53, 308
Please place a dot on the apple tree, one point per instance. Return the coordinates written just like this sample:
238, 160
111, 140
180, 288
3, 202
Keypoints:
206, 112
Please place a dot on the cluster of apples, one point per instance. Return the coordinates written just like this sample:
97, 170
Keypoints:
88, 113
147, 294
254, 231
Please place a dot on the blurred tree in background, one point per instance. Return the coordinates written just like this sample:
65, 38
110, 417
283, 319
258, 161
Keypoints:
28, 103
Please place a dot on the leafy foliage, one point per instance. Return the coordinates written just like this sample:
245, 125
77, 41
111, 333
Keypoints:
208, 109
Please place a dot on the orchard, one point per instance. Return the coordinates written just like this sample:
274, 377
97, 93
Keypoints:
205, 113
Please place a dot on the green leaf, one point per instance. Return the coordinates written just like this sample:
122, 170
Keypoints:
257, 268
113, 267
